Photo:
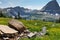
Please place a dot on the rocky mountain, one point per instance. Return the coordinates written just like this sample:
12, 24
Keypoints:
51, 11
13, 11
51, 7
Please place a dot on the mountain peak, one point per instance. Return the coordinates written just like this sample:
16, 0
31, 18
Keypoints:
53, 0
51, 6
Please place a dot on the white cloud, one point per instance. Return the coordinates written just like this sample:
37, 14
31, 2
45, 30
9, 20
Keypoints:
59, 4
33, 7
0, 2
11, 4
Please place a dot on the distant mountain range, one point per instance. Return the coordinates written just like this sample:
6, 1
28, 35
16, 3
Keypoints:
13, 11
50, 11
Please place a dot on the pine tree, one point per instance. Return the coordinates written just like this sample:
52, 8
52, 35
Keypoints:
1, 15
19, 16
59, 20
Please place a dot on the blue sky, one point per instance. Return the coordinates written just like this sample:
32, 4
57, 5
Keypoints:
33, 4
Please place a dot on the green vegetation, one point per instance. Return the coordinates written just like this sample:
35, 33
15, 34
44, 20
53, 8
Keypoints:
53, 29
4, 21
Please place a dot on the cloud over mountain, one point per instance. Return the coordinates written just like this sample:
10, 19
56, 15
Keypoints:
0, 2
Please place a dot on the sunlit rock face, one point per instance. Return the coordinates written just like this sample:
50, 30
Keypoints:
51, 7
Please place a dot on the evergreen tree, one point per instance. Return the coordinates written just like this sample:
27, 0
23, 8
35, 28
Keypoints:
19, 16
59, 20
1, 15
